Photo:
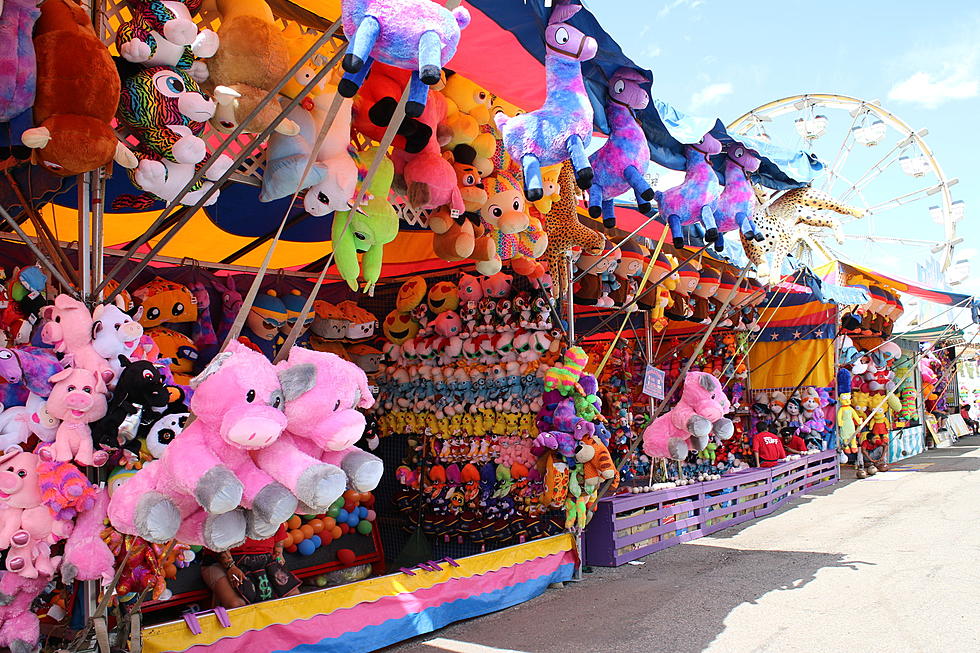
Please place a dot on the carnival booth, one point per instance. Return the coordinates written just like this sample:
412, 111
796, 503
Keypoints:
327, 281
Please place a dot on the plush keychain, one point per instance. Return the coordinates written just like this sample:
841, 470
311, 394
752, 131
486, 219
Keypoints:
620, 163
76, 96
562, 127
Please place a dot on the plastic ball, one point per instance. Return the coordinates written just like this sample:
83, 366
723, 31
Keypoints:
338, 503
297, 536
364, 527
344, 529
321, 580
350, 506
371, 515
326, 537
291, 548
316, 524
337, 532
329, 523
342, 515
352, 520
307, 531
294, 522
346, 557
308, 517
351, 495
306, 547
362, 512
333, 512
364, 497
316, 541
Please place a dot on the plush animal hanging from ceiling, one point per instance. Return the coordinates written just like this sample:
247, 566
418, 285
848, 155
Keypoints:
415, 35
566, 232
737, 201
516, 234
562, 127
252, 57
163, 33
374, 225
76, 96
165, 302
694, 199
620, 163
18, 63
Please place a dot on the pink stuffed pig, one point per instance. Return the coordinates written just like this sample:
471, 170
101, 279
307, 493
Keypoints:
324, 422
78, 398
19, 626
69, 330
27, 527
238, 406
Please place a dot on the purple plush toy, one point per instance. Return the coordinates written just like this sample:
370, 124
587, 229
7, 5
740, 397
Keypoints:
620, 163
562, 127
416, 35
695, 198
17, 61
737, 202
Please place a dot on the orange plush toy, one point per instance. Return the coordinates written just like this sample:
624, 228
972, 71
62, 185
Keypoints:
77, 93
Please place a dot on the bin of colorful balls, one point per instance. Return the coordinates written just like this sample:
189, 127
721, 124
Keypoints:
352, 512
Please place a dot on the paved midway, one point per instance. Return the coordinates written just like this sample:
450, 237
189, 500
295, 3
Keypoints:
891, 563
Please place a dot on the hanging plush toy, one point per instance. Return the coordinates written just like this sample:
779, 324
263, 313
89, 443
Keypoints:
562, 127
181, 351
140, 390
78, 398
68, 328
263, 322
737, 201
163, 33
694, 200
620, 163
373, 226
566, 232
251, 59
416, 35
165, 302
19, 64
517, 235
688, 426
76, 96
294, 302
114, 334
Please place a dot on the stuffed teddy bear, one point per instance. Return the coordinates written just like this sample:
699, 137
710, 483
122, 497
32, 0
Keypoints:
374, 225
163, 33
252, 57
17, 80
76, 96
620, 163
562, 127
414, 35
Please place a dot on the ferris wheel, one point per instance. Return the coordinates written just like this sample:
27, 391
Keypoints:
875, 161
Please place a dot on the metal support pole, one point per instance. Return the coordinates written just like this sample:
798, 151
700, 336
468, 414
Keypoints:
648, 328
98, 233
571, 301
84, 235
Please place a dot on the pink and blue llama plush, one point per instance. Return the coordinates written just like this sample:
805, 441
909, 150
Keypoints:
416, 35
17, 61
694, 200
737, 202
620, 163
562, 127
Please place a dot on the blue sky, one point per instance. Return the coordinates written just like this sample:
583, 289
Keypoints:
920, 60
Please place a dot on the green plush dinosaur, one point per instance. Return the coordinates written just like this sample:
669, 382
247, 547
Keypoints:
373, 226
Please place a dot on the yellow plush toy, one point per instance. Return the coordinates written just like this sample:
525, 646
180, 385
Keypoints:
847, 422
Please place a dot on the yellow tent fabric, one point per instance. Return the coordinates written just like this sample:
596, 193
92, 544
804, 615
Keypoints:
785, 364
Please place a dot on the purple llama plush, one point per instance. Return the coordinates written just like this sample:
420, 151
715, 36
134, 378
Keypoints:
416, 35
620, 163
17, 61
562, 127
695, 198
737, 202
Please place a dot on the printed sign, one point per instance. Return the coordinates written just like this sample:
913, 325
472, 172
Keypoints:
653, 382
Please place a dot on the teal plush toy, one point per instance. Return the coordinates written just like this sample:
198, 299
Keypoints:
373, 226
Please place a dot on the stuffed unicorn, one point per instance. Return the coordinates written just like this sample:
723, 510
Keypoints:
416, 35
562, 127
737, 201
694, 200
620, 163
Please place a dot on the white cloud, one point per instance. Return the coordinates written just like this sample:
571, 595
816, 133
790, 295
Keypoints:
678, 4
957, 77
710, 94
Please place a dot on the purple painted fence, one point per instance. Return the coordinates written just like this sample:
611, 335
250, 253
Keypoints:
629, 526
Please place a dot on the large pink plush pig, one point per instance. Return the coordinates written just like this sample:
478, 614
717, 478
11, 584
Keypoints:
238, 409
27, 527
688, 425
69, 330
324, 422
